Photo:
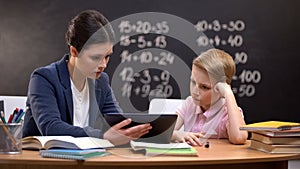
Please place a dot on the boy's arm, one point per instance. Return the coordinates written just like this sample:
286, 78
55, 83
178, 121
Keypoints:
182, 136
235, 117
176, 133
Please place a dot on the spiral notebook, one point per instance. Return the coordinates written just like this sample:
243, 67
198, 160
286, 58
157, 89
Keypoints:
73, 154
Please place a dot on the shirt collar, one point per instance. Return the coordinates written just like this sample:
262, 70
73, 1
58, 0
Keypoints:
212, 110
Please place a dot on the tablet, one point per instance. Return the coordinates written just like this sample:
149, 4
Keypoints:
162, 125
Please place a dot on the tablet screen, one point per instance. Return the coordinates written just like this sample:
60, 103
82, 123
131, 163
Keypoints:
162, 124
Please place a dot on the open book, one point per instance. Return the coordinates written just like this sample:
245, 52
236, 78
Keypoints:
66, 142
271, 126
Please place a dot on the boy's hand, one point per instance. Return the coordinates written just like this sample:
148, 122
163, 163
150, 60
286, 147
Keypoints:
191, 138
222, 88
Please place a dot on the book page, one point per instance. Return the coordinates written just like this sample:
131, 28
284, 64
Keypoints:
91, 142
67, 142
44, 139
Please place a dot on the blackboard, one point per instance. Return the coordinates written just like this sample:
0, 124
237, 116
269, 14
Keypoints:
262, 36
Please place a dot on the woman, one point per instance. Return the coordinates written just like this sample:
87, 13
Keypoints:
68, 97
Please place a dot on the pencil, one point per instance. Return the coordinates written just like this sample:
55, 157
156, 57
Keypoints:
2, 117
11, 138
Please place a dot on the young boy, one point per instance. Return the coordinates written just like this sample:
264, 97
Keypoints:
211, 110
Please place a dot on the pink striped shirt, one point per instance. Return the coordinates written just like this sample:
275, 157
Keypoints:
213, 121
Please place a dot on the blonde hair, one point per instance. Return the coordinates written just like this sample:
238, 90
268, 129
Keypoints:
218, 64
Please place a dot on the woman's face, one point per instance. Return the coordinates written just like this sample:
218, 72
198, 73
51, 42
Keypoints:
201, 88
92, 60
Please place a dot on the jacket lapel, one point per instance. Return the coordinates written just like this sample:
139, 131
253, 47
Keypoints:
64, 76
95, 115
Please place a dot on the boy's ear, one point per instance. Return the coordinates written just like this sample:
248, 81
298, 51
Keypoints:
73, 51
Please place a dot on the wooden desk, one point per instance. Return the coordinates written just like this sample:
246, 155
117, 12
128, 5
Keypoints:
220, 154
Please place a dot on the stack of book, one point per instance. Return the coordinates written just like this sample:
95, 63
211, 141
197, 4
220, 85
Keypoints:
171, 149
274, 136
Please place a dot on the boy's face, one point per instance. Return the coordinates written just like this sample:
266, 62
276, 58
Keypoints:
201, 88
93, 59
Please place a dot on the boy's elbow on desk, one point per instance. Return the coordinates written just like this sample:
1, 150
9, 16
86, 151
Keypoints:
239, 139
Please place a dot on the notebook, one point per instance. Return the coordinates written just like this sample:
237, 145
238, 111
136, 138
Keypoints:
73, 154
271, 126
162, 125
171, 149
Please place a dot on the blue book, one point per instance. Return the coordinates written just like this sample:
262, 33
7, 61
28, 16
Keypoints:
73, 154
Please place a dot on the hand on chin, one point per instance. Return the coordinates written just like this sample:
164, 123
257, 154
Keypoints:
196, 101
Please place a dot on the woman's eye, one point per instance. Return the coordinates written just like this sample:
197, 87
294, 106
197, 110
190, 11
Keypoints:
95, 58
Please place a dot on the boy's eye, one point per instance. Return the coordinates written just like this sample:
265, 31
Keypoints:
193, 82
204, 87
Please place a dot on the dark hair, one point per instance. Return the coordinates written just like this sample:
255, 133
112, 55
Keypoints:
89, 27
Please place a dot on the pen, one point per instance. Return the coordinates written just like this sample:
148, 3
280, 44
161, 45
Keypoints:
10, 118
2, 117
17, 116
12, 115
20, 116
206, 145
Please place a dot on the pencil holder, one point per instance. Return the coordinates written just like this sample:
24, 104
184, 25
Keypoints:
10, 138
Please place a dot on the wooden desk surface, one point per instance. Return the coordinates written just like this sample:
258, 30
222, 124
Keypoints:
220, 154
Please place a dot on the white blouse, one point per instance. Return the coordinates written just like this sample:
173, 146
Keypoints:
80, 105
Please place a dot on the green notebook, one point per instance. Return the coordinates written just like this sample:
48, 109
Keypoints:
173, 149
173, 152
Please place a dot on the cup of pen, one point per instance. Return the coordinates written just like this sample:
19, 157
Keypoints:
10, 138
